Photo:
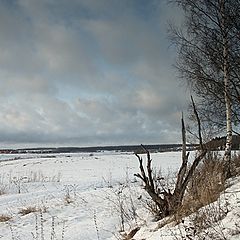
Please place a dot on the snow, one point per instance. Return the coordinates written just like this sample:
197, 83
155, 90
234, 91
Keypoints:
79, 191
222, 220
83, 196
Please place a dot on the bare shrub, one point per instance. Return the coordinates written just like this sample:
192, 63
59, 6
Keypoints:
18, 183
167, 201
123, 203
38, 176
164, 182
70, 193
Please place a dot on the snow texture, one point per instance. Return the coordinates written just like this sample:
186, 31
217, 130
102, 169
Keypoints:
88, 196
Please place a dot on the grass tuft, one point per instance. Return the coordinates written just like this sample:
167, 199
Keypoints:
27, 210
4, 218
204, 188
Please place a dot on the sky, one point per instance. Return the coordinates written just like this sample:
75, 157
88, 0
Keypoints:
88, 72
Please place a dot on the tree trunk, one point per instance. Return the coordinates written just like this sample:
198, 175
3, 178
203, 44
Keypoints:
227, 96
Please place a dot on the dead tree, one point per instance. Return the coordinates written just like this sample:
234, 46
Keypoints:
167, 201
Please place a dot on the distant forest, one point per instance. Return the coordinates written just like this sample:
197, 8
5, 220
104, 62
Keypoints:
217, 143
124, 148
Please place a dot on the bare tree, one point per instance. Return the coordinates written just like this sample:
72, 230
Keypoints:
167, 201
209, 59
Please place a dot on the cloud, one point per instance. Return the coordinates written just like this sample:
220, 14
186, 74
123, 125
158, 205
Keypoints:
87, 73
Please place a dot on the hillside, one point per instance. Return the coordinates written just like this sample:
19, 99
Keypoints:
218, 220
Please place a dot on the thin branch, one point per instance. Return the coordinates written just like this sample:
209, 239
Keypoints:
149, 168
199, 123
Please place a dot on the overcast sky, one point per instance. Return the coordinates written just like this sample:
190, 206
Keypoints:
88, 72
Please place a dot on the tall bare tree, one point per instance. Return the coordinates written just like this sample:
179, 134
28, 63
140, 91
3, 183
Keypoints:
209, 59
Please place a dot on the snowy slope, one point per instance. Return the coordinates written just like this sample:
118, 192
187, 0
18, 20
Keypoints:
221, 220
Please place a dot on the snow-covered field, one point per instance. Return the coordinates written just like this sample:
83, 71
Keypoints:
87, 196
78, 194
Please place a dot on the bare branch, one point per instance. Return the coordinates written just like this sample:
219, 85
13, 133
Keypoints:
198, 122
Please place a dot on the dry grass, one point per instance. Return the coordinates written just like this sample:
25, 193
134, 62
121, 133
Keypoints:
205, 187
205, 223
131, 234
2, 190
4, 218
27, 210
202, 207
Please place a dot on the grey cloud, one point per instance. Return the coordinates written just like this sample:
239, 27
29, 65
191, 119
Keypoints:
125, 41
87, 72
